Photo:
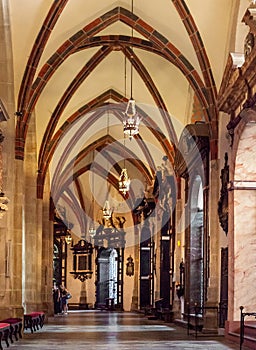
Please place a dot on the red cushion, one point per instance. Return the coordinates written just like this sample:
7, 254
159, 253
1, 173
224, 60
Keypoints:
12, 320
35, 313
4, 325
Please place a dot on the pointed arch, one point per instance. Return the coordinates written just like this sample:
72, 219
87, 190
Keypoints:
97, 103
72, 45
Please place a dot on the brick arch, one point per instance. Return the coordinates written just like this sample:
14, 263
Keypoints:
99, 145
74, 204
66, 179
142, 145
96, 103
85, 71
72, 45
37, 50
92, 105
89, 122
72, 201
197, 42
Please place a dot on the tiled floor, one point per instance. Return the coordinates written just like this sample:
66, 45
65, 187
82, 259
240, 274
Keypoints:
101, 330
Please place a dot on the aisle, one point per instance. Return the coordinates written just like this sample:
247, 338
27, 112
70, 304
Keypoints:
100, 330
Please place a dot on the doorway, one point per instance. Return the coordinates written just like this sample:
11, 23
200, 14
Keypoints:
107, 284
196, 244
244, 192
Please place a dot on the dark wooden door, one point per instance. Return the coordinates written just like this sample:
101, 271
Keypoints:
146, 268
223, 306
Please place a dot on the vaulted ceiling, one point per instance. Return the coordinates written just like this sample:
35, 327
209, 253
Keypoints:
72, 68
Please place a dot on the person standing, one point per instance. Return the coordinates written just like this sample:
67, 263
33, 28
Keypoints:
56, 299
64, 299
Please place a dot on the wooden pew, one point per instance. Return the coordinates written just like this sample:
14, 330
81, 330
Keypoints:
15, 327
33, 320
4, 333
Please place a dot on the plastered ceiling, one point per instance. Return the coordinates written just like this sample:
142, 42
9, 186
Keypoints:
72, 69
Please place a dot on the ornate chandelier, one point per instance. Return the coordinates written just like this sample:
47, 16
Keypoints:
124, 182
92, 230
131, 119
106, 210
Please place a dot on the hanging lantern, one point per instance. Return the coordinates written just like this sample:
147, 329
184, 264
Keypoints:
82, 260
68, 237
92, 231
106, 210
131, 119
124, 182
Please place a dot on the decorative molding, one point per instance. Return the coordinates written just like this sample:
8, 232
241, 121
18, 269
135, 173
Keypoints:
250, 103
82, 260
223, 201
239, 77
248, 44
193, 147
250, 18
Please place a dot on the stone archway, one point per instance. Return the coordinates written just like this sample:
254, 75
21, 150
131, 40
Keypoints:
244, 187
196, 263
107, 277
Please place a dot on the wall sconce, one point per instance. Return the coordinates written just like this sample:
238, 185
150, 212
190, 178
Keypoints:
68, 237
130, 267
3, 204
180, 286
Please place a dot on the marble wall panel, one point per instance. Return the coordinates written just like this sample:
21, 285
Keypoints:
245, 224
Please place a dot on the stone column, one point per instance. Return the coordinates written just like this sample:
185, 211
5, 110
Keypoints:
16, 241
213, 281
135, 295
32, 252
179, 252
47, 249
12, 182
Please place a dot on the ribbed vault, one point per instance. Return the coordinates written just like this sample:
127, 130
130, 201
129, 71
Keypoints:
99, 39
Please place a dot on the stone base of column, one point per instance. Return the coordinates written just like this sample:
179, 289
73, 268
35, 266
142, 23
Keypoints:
46, 307
211, 321
135, 304
178, 308
11, 312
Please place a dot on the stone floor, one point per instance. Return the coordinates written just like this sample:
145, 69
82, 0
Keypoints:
102, 330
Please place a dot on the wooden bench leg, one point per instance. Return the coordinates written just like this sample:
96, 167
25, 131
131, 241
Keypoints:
28, 323
41, 318
35, 323
1, 336
11, 333
19, 330
15, 331
15, 327
4, 334
5, 337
